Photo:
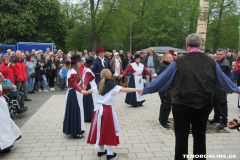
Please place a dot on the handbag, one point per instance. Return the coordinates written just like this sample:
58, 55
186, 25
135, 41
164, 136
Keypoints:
33, 75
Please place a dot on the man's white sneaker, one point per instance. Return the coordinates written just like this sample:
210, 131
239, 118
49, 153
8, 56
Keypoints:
45, 90
39, 90
53, 89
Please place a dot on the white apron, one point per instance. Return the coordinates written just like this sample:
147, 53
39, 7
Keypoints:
138, 79
9, 131
79, 98
92, 83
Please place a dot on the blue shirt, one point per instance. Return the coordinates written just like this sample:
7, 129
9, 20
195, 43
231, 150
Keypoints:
165, 79
150, 61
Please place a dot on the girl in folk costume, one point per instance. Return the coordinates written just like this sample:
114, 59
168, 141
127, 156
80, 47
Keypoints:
104, 128
73, 112
9, 131
88, 80
136, 69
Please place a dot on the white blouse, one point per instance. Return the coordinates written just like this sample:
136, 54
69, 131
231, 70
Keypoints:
109, 98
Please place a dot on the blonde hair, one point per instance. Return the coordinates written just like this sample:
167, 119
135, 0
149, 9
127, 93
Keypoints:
105, 74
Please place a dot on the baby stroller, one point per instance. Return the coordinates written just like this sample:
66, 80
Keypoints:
13, 106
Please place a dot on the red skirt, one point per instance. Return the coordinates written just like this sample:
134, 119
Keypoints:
108, 133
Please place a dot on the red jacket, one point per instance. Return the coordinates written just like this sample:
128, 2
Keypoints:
8, 72
20, 70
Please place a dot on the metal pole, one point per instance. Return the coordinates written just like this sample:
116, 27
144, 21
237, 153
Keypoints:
131, 35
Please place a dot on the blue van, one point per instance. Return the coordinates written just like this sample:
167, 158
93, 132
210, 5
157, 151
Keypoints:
27, 46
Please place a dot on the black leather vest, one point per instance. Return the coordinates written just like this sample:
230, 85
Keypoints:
194, 80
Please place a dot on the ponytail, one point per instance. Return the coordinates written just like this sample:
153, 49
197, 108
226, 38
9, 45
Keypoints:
105, 74
101, 86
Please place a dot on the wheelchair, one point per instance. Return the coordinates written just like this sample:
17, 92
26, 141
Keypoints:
13, 106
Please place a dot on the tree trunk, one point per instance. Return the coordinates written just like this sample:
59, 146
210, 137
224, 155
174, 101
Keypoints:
217, 29
94, 34
203, 21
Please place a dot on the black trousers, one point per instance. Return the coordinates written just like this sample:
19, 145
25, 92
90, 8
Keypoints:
62, 83
165, 107
51, 79
220, 105
183, 117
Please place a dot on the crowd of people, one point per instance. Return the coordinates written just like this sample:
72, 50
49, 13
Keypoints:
190, 85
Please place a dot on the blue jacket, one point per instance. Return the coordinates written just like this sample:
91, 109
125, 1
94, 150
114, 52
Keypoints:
63, 73
98, 67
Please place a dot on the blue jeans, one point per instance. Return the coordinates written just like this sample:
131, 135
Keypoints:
44, 82
31, 82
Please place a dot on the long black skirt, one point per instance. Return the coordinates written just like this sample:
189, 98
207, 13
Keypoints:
88, 106
72, 120
131, 98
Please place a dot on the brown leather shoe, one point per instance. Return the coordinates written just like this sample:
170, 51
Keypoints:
27, 99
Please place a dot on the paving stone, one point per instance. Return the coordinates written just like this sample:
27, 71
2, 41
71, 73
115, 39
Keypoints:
140, 135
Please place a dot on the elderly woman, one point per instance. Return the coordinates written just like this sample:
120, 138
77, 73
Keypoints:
12, 56
7, 68
117, 66
30, 69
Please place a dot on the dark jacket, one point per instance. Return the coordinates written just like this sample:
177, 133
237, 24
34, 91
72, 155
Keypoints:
230, 59
194, 81
39, 70
126, 62
49, 69
122, 57
162, 66
225, 66
155, 60
98, 67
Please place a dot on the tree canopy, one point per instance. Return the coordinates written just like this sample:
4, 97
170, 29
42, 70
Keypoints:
92, 23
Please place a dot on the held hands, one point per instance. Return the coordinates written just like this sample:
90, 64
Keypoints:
119, 76
153, 76
239, 91
84, 92
140, 92
84, 88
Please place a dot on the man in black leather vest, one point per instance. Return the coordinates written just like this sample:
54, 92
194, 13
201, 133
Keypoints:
165, 96
192, 79
220, 96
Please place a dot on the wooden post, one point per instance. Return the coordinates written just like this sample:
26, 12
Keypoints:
202, 22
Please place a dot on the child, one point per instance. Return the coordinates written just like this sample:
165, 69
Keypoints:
104, 129
63, 76
234, 75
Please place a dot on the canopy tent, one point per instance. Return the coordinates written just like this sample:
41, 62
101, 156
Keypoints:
164, 49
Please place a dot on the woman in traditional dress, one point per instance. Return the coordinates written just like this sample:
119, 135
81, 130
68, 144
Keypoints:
73, 114
9, 131
104, 128
136, 81
88, 79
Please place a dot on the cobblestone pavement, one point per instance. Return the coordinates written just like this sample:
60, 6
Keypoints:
38, 99
141, 137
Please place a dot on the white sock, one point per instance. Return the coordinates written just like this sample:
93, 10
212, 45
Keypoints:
109, 150
101, 148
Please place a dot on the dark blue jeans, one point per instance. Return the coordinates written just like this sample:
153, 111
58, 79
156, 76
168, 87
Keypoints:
183, 117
